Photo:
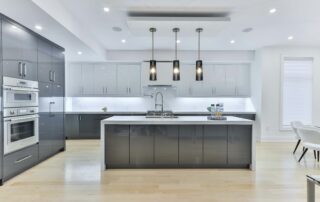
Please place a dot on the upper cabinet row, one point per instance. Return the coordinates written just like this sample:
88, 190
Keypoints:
103, 79
110, 79
28, 56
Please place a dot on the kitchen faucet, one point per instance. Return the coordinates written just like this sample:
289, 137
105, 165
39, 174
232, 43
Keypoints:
155, 101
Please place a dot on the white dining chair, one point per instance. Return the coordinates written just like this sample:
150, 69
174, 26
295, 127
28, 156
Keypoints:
295, 125
310, 137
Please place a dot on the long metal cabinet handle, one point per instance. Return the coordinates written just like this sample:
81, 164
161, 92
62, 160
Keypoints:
20, 68
106, 90
79, 117
23, 159
54, 76
24, 69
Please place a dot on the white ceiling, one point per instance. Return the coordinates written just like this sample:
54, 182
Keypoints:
83, 25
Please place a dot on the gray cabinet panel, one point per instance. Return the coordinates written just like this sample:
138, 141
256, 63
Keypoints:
166, 145
239, 144
190, 145
141, 145
58, 64
117, 145
44, 61
45, 139
89, 126
20, 69
16, 162
57, 132
215, 145
72, 126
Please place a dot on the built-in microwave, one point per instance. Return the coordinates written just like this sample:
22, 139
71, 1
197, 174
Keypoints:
20, 93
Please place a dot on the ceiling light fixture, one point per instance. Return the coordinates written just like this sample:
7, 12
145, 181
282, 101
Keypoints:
273, 10
199, 69
153, 63
123, 41
290, 37
176, 63
106, 9
79, 53
232, 41
38, 27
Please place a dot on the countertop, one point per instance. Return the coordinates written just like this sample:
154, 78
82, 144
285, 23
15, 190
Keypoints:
144, 112
180, 120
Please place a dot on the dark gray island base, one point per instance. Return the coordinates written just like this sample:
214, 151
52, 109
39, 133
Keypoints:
185, 142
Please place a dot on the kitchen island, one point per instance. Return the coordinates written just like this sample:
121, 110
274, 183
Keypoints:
180, 142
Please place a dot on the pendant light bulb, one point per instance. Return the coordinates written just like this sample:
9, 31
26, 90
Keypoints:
199, 69
176, 62
153, 63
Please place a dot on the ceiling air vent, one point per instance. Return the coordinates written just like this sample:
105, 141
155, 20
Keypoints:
178, 16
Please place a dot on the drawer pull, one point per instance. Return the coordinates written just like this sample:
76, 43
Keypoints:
23, 159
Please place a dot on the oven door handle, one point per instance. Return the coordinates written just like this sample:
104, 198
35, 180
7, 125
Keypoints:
20, 118
20, 89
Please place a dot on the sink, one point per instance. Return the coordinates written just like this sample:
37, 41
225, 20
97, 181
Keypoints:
161, 114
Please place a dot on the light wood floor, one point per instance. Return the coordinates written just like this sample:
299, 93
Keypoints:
75, 175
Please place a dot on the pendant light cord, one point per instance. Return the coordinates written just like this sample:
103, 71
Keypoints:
152, 45
199, 45
176, 43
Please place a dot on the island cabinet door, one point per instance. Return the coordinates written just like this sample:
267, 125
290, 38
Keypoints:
142, 145
190, 146
215, 145
166, 146
117, 146
239, 145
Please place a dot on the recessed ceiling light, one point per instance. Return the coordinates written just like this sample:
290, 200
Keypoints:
106, 9
248, 29
38, 27
232, 41
290, 37
123, 41
14, 27
178, 41
117, 29
272, 10
79, 53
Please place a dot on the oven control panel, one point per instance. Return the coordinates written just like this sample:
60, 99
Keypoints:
20, 111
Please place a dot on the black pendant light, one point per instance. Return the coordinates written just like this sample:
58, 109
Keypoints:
199, 69
153, 63
176, 63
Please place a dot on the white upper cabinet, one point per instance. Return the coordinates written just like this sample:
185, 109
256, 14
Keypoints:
128, 80
105, 76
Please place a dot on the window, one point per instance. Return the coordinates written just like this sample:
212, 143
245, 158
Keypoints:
296, 91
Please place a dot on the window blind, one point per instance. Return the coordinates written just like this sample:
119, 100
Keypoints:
296, 91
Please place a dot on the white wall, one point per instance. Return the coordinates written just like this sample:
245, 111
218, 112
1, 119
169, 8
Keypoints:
268, 64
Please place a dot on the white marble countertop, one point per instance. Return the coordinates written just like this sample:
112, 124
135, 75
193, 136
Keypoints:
144, 112
180, 120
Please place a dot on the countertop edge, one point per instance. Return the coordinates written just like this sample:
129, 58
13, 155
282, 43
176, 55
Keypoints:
143, 113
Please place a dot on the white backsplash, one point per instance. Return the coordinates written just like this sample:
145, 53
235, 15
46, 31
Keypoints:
171, 102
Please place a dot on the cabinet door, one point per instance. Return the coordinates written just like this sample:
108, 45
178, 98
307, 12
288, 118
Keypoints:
166, 145
239, 145
231, 78
128, 80
215, 145
58, 65
87, 79
74, 81
141, 146
18, 43
44, 61
57, 132
187, 77
105, 79
72, 126
45, 91
243, 81
190, 146
57, 98
89, 126
219, 80
45, 139
117, 145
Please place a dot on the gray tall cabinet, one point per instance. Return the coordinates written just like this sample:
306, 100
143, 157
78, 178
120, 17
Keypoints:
27, 55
